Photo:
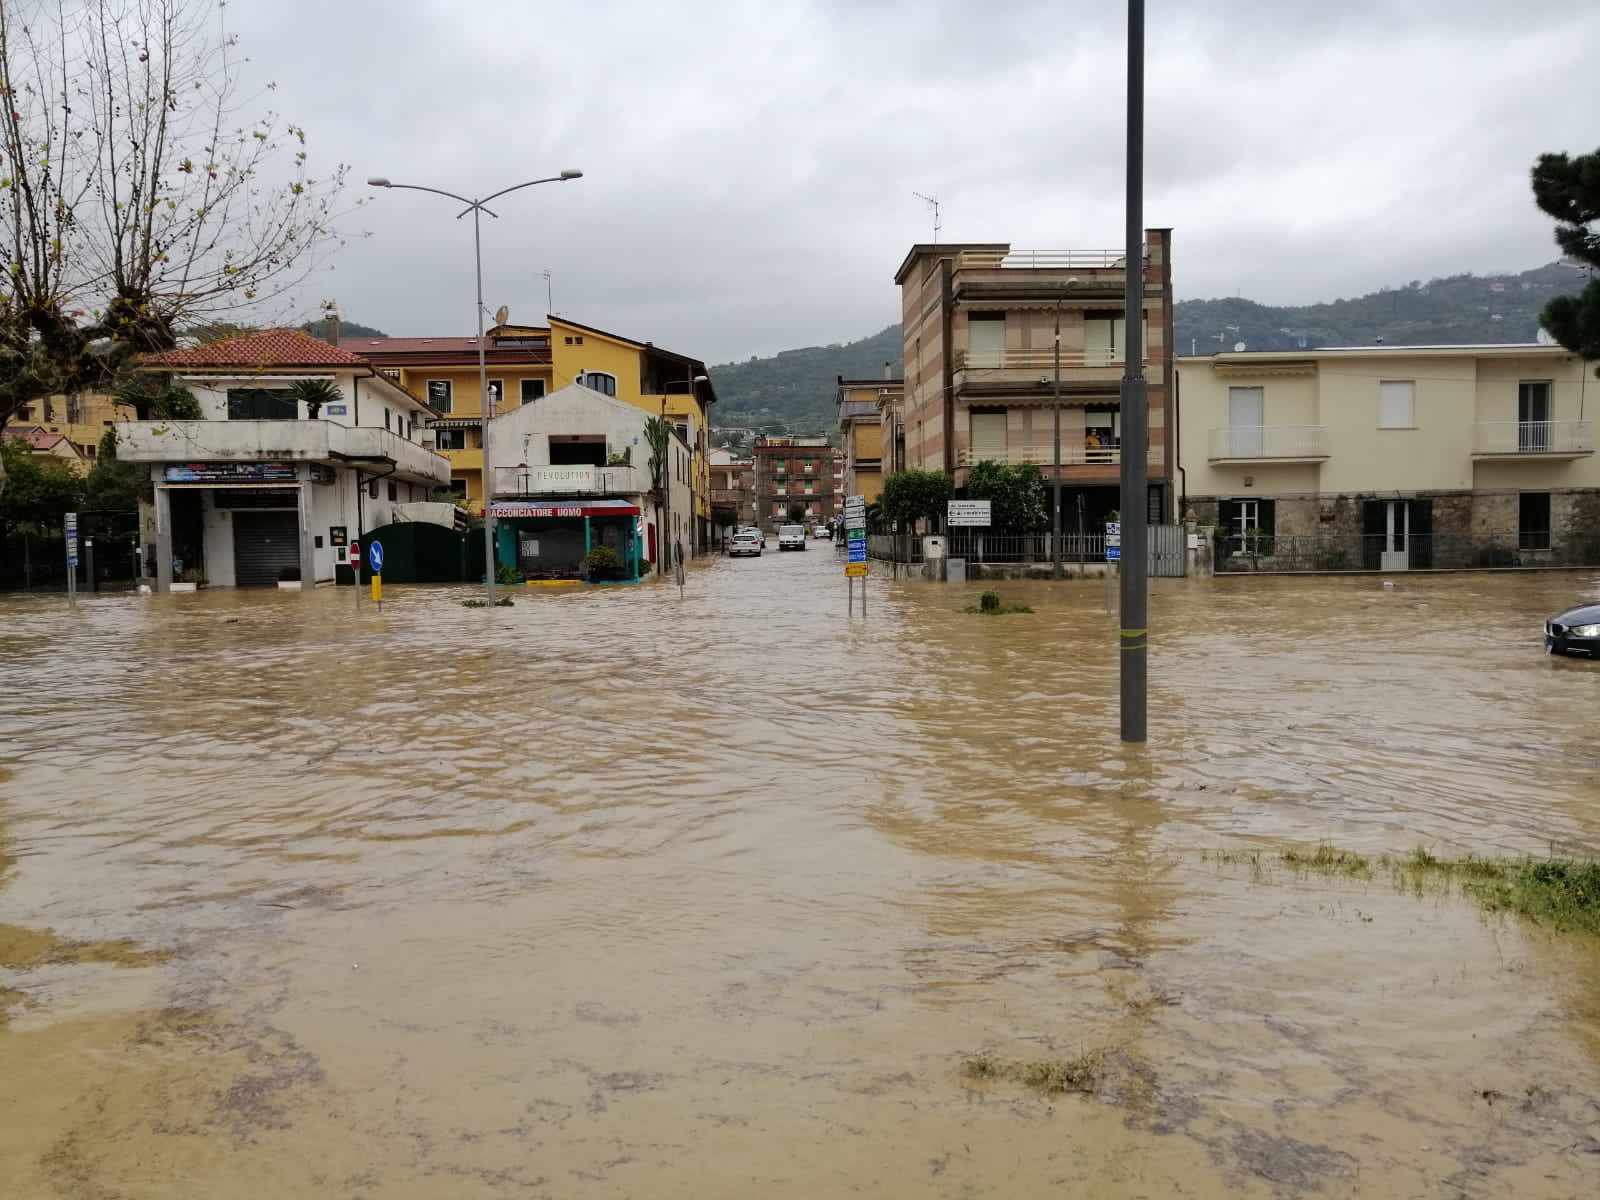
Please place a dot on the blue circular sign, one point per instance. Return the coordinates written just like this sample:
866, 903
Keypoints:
375, 556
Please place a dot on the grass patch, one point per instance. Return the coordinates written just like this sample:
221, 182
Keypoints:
1562, 893
989, 605
1052, 1076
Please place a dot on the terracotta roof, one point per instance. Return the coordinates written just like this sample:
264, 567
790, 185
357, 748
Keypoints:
39, 440
266, 348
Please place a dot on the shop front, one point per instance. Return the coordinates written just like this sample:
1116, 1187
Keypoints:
552, 539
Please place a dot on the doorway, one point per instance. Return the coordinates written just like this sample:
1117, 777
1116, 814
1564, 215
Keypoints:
264, 544
1247, 413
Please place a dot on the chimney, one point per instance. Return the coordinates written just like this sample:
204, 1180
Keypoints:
888, 370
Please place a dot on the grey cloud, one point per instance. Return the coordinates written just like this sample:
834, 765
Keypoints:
750, 167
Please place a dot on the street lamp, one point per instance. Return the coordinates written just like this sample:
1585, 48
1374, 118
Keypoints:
475, 207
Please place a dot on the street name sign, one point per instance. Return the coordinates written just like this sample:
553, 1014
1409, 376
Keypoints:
967, 512
1113, 541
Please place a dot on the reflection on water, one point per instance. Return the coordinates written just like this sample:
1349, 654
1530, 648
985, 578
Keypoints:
617, 894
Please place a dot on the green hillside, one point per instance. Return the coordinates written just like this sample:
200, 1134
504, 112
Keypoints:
794, 391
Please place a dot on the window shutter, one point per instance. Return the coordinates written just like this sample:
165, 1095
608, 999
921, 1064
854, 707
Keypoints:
1397, 404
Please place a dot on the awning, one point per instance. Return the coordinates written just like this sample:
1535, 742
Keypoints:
564, 508
455, 422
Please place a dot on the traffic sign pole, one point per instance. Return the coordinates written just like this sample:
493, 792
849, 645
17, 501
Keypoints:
855, 559
355, 570
72, 559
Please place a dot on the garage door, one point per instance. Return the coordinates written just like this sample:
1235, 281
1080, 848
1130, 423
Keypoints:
263, 544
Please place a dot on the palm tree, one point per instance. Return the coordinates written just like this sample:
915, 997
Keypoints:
657, 435
315, 393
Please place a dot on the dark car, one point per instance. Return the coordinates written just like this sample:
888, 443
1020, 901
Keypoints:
1576, 631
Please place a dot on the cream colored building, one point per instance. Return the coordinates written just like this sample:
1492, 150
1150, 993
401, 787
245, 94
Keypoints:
1393, 457
861, 424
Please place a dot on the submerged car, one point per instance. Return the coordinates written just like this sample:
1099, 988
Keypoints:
791, 537
755, 532
745, 545
1576, 631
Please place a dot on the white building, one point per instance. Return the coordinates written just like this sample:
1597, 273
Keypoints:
571, 472
259, 490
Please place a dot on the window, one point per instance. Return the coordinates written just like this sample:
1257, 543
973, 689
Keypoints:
394, 492
1533, 416
1533, 521
451, 439
497, 393
575, 341
441, 397
1397, 404
599, 381
372, 489
74, 410
1104, 336
986, 339
1247, 525
386, 418
532, 389
261, 404
988, 435
458, 487
1247, 418
88, 449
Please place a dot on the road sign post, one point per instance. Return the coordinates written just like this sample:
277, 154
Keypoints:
375, 560
855, 567
72, 559
355, 570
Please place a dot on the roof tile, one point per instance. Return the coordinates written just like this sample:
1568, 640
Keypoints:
265, 348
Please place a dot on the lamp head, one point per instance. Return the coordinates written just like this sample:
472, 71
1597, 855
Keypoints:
571, 174
378, 181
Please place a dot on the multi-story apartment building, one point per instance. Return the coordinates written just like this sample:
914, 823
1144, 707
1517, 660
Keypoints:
861, 423
794, 472
733, 487
82, 419
979, 323
1393, 457
526, 362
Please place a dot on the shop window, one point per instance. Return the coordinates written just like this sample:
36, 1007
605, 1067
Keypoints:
1533, 521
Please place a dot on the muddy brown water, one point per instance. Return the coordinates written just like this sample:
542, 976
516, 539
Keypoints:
616, 894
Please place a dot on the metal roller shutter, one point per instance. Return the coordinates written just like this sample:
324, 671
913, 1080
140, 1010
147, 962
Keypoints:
263, 544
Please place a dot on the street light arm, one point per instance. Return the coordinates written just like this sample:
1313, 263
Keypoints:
517, 187
417, 187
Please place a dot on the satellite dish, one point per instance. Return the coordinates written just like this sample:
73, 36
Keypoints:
502, 315
1238, 345
1543, 337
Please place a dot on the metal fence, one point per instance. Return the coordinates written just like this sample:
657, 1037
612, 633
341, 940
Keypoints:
894, 547
36, 560
979, 546
1435, 551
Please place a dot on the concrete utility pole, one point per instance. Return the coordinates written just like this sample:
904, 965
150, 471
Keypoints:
1055, 421
1135, 566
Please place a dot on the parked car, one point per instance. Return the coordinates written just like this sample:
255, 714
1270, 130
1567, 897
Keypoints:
1576, 631
791, 537
745, 545
756, 531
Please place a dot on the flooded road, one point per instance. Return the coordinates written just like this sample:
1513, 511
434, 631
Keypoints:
615, 894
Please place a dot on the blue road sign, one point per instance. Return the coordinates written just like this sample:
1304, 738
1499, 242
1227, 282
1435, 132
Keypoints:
375, 557
857, 556
1113, 541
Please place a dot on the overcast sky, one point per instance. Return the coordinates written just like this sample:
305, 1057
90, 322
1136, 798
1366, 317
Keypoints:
749, 164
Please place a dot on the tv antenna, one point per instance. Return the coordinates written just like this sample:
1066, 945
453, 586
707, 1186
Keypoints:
549, 293
932, 201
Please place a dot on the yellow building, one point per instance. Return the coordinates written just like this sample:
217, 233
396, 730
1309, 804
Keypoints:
526, 362
861, 413
656, 380
443, 371
83, 420
1392, 457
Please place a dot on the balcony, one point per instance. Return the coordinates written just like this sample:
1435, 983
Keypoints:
280, 441
1551, 440
1044, 456
468, 459
547, 480
1033, 371
1268, 444
990, 276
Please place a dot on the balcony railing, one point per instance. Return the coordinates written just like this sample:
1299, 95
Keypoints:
1044, 456
1547, 439
1268, 443
1034, 361
577, 480
265, 441
1044, 260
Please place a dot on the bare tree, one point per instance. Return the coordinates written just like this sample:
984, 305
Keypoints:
139, 190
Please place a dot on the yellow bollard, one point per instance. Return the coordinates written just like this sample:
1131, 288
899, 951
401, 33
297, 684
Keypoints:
377, 589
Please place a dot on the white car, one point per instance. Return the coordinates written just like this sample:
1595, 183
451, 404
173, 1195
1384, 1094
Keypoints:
754, 531
791, 537
745, 545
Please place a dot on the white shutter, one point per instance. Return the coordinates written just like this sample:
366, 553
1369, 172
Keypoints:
1397, 404
986, 341
1097, 334
989, 437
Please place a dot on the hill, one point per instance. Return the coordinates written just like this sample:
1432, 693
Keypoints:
794, 391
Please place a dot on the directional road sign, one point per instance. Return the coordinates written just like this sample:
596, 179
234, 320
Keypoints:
1113, 541
375, 556
856, 571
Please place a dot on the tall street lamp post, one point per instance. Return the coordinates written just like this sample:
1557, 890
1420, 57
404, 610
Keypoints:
476, 207
1134, 638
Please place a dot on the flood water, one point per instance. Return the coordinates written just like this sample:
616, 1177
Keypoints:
617, 894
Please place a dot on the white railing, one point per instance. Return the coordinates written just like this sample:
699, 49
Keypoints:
1044, 456
1268, 441
1045, 260
1534, 437
550, 480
